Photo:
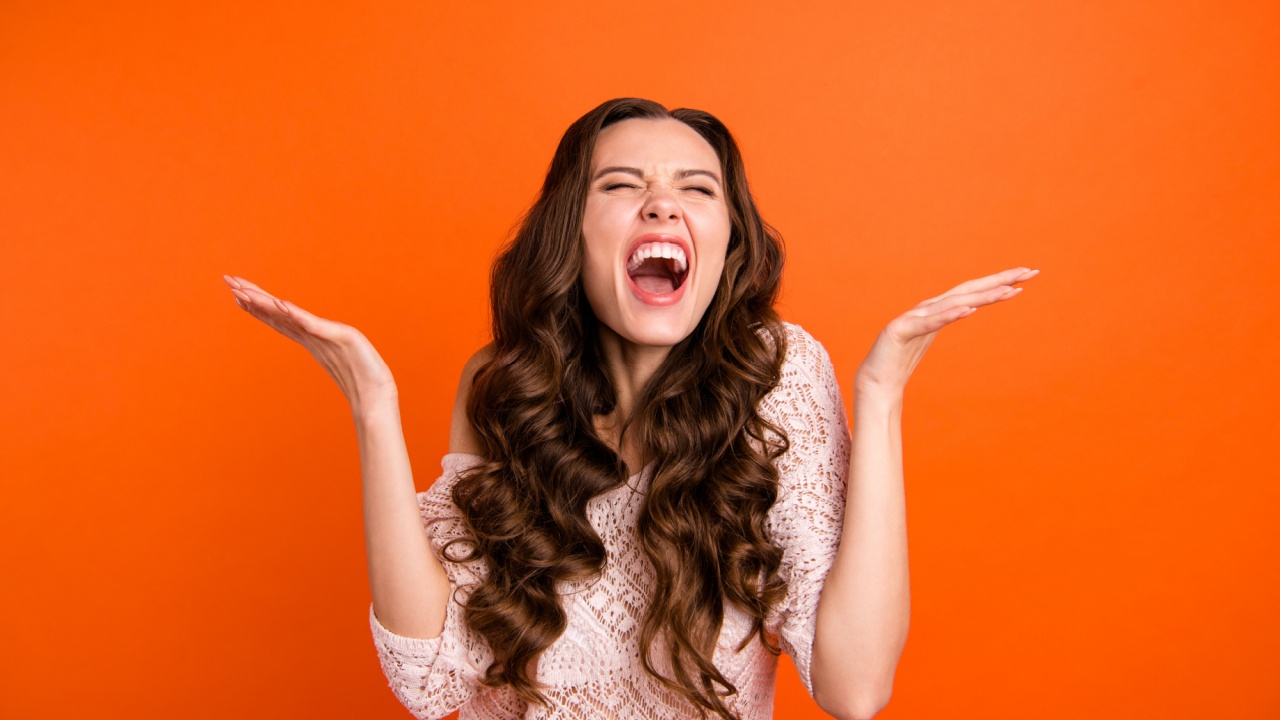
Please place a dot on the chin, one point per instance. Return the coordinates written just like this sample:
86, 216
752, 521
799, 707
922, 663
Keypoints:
659, 335
667, 326
634, 319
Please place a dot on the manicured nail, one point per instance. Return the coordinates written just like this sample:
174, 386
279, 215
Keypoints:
280, 304
242, 295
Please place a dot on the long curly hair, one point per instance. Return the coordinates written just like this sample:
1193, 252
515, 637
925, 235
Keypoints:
533, 407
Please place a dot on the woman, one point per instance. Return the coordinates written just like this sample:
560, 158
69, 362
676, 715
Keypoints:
651, 488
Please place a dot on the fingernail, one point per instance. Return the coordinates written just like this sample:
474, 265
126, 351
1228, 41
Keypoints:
280, 304
241, 295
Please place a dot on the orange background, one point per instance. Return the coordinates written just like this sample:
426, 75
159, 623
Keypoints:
1089, 475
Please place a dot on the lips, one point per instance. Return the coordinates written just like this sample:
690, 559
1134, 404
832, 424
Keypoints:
657, 268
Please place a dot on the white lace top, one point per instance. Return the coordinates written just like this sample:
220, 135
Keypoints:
593, 670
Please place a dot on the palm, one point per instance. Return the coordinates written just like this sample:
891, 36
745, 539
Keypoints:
903, 341
344, 352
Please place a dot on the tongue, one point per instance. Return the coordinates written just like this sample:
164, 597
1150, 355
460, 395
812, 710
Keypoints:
656, 284
655, 275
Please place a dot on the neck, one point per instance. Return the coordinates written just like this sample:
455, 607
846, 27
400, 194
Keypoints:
629, 367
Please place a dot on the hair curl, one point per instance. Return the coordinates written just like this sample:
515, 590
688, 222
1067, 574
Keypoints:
533, 407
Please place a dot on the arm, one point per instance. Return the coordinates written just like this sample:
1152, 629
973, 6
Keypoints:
865, 608
866, 603
432, 677
436, 664
434, 672
805, 520
409, 584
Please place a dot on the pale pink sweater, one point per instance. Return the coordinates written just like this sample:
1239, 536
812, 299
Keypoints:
593, 670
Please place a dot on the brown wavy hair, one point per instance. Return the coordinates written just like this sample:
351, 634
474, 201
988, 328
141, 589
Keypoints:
533, 408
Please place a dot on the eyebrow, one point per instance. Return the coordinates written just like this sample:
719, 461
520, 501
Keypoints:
679, 174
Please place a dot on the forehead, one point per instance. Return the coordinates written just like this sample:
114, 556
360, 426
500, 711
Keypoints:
653, 144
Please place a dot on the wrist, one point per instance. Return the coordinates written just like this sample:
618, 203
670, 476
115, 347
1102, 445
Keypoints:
872, 391
877, 405
372, 406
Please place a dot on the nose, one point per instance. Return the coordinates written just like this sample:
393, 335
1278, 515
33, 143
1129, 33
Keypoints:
662, 205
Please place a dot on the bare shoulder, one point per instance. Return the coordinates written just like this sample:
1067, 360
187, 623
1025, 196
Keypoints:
462, 439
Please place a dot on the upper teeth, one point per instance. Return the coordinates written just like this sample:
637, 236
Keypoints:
658, 249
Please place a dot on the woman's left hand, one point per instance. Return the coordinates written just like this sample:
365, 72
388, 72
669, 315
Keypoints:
903, 341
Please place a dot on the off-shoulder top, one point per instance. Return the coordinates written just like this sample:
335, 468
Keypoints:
593, 670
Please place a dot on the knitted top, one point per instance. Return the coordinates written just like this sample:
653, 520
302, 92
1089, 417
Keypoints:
593, 670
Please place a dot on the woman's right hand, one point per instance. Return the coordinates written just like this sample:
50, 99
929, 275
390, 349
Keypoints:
344, 352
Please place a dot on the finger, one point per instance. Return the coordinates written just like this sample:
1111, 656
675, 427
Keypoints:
246, 285
981, 284
1006, 277
997, 294
965, 300
283, 315
305, 323
913, 324
312, 324
256, 296
269, 311
280, 325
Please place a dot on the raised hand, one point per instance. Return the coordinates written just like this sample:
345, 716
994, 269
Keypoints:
344, 352
903, 341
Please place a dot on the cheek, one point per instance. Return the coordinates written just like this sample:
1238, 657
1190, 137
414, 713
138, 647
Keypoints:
713, 272
597, 279
719, 231
598, 245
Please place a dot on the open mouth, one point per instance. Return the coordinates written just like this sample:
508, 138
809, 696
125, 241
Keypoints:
658, 268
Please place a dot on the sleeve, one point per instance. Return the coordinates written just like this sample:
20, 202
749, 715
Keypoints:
806, 520
433, 677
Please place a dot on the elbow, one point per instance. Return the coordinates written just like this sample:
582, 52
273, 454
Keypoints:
860, 706
854, 691
871, 708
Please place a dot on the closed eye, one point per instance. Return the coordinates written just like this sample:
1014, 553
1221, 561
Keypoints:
614, 186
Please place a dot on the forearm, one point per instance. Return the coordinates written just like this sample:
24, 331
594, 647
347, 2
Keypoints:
864, 610
409, 586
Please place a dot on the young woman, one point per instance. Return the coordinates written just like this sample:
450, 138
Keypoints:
651, 488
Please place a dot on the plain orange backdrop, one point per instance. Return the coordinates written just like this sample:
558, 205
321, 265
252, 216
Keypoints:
1090, 467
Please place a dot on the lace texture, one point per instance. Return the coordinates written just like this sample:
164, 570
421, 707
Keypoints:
594, 670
